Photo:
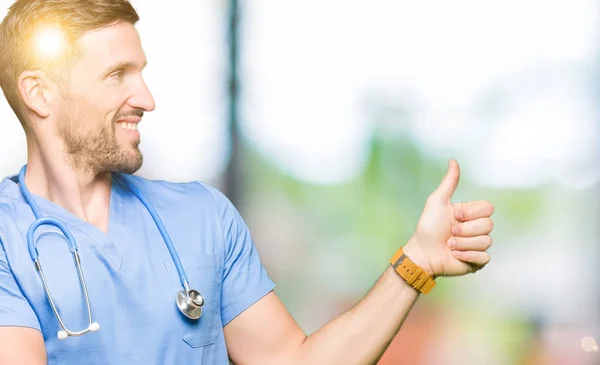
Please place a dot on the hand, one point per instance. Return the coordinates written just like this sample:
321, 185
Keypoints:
451, 238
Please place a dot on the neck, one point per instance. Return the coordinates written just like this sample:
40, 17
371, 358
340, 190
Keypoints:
86, 194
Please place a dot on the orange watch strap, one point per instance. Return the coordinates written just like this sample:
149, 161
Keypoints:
414, 275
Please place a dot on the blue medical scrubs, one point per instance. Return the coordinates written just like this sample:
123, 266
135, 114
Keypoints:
130, 276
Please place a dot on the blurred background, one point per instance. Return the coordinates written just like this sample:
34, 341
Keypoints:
328, 123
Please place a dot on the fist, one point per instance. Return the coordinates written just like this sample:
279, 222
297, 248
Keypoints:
451, 238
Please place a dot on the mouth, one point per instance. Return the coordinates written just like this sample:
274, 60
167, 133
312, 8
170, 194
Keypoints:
129, 123
129, 126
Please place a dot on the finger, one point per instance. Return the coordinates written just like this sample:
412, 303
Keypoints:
476, 258
479, 243
477, 227
468, 211
449, 183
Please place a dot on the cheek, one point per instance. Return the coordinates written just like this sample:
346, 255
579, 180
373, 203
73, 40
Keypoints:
99, 106
100, 115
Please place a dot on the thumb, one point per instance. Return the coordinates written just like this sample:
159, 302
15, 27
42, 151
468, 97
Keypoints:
449, 183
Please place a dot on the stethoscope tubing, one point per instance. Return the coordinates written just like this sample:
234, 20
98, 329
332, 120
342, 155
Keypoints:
189, 301
166, 237
33, 252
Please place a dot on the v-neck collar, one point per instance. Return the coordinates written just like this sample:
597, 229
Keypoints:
50, 209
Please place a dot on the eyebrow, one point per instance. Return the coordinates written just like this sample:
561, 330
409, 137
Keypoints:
126, 65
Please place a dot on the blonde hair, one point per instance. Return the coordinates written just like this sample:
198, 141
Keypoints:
26, 18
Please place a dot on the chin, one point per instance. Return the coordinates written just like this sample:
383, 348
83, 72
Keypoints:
129, 168
135, 162
126, 161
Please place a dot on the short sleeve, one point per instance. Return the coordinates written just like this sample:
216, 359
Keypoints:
15, 309
245, 279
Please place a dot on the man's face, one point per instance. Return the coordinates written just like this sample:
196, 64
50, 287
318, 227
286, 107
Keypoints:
104, 99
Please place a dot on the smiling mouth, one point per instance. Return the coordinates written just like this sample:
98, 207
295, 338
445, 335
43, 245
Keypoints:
130, 126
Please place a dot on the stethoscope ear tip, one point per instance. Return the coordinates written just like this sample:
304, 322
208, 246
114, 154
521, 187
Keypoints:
94, 327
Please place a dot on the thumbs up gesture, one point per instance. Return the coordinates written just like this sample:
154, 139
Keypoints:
451, 238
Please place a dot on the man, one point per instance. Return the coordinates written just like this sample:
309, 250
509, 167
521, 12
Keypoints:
79, 104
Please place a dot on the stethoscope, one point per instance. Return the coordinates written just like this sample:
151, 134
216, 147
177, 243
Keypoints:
189, 301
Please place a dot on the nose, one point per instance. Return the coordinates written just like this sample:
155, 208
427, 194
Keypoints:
142, 98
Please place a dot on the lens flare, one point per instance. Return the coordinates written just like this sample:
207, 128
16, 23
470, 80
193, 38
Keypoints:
49, 42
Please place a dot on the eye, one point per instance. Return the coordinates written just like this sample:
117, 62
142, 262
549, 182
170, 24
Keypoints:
117, 75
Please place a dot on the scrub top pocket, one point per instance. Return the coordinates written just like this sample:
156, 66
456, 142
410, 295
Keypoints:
205, 275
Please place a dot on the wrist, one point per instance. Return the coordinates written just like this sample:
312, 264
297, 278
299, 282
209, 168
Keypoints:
417, 274
416, 254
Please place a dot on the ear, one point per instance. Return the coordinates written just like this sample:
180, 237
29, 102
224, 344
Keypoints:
34, 91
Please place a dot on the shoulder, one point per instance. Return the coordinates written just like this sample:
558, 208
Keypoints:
198, 193
8, 218
15, 215
194, 209
11, 201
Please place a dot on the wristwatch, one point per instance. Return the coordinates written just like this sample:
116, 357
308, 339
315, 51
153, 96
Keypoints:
413, 274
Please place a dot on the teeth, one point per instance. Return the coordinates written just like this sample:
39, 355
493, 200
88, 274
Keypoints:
130, 126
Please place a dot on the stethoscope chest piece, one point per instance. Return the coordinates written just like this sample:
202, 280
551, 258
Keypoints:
190, 303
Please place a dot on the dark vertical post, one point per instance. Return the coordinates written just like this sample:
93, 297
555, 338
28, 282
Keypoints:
233, 173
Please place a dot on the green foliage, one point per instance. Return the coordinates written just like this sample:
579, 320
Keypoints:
371, 216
